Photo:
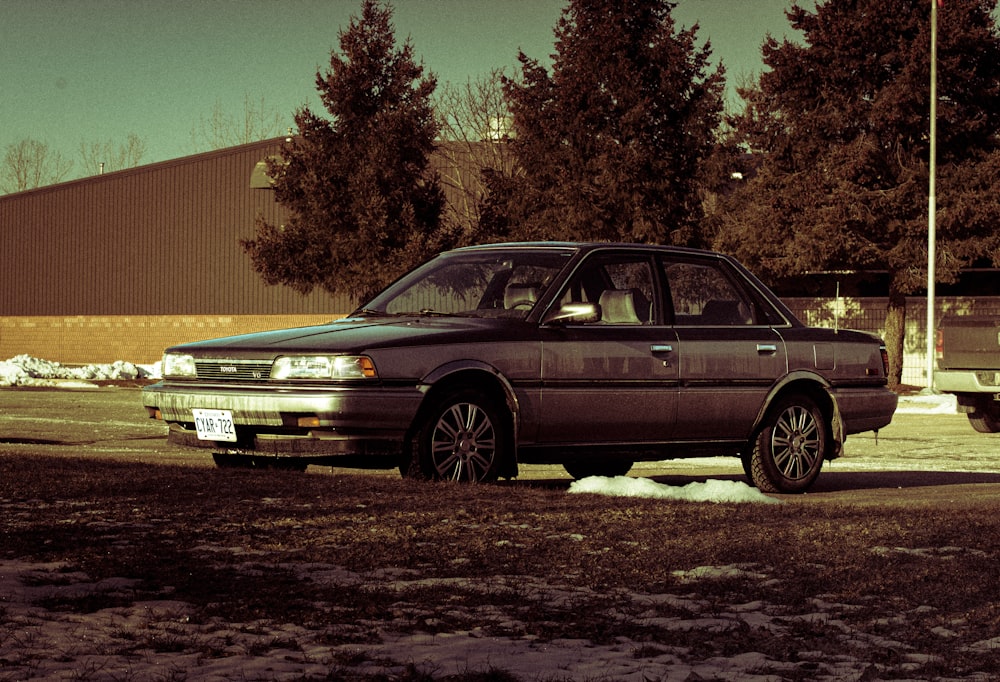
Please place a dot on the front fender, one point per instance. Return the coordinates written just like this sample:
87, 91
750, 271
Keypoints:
474, 373
457, 367
817, 388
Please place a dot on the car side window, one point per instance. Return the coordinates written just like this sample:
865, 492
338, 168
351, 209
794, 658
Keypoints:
702, 295
621, 286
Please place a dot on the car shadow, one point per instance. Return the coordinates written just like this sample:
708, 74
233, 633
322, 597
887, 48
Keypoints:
828, 481
839, 481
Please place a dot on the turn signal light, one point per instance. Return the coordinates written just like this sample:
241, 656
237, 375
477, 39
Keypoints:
367, 367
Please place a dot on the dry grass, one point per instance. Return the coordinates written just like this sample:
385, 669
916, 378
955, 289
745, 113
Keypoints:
346, 556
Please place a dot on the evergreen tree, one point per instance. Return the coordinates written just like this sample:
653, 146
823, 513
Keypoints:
839, 126
610, 145
363, 204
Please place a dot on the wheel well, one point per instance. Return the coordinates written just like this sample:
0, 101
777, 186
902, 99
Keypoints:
810, 389
469, 378
478, 379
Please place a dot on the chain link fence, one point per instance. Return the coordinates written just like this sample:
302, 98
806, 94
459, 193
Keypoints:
868, 314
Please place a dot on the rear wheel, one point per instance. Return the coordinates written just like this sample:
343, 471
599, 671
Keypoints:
788, 452
984, 419
465, 437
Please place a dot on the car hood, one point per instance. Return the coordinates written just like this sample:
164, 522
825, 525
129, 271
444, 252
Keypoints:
356, 335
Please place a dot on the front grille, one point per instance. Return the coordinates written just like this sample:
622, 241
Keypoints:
234, 370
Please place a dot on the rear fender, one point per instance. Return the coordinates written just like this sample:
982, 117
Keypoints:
817, 388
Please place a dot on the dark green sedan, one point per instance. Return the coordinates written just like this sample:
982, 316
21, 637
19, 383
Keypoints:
589, 355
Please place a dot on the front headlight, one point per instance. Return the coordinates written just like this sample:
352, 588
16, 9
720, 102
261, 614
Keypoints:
178, 365
323, 367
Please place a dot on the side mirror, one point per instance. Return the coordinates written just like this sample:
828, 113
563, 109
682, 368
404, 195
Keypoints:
574, 313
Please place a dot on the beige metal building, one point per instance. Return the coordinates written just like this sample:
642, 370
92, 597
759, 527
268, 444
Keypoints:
120, 265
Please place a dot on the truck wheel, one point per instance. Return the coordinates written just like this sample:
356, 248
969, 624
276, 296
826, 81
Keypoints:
788, 451
984, 420
465, 437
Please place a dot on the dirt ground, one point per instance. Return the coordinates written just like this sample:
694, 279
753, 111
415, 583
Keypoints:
240, 576
919, 458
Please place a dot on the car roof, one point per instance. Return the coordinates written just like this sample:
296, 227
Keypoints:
592, 246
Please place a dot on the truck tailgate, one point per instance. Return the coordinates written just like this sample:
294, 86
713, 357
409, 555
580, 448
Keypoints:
969, 343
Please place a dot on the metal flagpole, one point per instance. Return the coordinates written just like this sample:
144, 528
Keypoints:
932, 207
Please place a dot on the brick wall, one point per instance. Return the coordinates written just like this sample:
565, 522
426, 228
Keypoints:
84, 339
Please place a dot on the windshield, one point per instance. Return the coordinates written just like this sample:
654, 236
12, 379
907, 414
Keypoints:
489, 283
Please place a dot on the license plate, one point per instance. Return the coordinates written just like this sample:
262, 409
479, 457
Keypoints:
215, 425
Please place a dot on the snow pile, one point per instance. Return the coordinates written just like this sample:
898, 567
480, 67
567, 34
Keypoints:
709, 491
25, 370
928, 403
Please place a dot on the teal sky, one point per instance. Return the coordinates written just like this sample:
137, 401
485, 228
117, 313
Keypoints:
85, 71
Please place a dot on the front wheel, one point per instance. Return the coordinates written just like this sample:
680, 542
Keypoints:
788, 452
465, 437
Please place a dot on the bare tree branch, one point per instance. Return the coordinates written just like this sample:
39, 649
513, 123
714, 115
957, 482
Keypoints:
29, 164
221, 129
108, 157
475, 125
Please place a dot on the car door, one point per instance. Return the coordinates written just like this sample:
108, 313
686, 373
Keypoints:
728, 357
613, 380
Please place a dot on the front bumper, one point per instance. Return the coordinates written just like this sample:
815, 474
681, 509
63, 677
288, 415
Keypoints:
305, 422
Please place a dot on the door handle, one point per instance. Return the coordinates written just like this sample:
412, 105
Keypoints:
661, 348
767, 348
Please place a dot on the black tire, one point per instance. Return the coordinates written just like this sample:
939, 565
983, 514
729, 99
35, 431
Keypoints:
610, 468
466, 437
984, 421
788, 451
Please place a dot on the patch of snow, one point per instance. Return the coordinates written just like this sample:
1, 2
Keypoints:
709, 491
25, 370
928, 403
719, 572
115, 642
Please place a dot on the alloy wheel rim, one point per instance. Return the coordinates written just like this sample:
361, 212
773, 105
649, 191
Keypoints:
795, 443
463, 444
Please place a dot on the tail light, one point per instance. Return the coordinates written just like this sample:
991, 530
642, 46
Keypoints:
885, 360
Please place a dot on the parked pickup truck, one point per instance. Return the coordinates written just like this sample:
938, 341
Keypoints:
968, 365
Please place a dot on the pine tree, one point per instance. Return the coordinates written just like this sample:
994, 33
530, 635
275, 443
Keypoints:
610, 145
839, 126
363, 204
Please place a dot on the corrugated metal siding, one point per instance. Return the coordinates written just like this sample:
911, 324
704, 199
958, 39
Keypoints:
158, 239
